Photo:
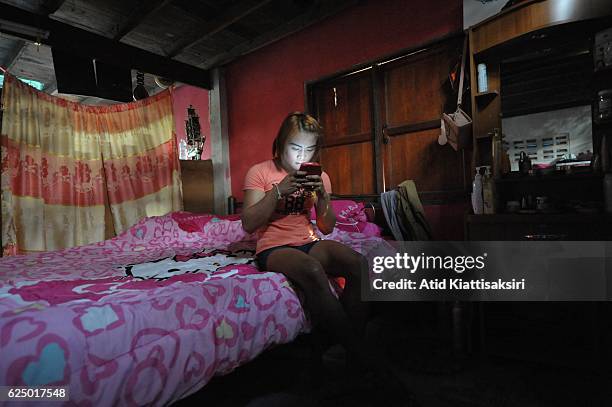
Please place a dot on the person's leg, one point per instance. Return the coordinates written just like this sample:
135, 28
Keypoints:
339, 260
328, 315
367, 366
326, 312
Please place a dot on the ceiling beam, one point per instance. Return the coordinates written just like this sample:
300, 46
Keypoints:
15, 54
227, 18
89, 45
318, 12
202, 10
51, 6
146, 9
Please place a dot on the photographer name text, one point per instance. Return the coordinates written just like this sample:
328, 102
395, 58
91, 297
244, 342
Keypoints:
394, 265
449, 284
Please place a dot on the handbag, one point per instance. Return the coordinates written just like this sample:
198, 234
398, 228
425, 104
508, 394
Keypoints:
458, 125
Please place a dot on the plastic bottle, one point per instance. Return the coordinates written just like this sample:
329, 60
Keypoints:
182, 149
604, 153
506, 167
477, 204
488, 193
496, 153
483, 82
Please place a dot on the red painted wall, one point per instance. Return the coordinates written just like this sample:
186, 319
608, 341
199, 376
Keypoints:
262, 87
182, 98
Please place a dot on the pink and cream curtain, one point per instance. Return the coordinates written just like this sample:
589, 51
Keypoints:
74, 174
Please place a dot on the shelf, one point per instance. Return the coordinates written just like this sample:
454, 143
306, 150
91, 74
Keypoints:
558, 176
603, 71
484, 98
569, 217
606, 123
491, 93
485, 136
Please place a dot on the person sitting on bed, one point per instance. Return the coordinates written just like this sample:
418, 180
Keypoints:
277, 203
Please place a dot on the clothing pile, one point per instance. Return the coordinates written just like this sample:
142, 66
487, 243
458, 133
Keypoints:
404, 213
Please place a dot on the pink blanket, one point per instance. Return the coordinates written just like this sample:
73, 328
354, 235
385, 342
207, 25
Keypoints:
118, 332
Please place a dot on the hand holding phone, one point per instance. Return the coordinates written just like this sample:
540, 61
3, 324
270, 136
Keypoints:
311, 168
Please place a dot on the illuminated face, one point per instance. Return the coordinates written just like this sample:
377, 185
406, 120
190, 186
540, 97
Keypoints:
300, 148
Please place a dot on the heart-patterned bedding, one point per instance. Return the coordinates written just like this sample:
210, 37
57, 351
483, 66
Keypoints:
145, 318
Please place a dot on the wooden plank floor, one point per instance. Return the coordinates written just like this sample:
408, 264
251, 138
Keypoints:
281, 377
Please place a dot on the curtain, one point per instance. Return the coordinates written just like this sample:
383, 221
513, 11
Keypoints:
141, 166
67, 167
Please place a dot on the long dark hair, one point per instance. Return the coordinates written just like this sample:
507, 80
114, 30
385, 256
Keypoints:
293, 123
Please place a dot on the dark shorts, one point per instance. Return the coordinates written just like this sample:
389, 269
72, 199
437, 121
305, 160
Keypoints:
262, 258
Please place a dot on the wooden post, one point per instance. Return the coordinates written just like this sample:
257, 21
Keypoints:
219, 141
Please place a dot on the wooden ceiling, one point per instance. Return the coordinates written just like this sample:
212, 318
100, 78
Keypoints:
179, 39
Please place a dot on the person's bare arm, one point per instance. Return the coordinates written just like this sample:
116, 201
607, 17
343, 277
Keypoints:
257, 209
326, 218
259, 205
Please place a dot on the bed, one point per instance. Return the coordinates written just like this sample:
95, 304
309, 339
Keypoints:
145, 318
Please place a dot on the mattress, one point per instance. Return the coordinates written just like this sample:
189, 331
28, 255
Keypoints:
145, 318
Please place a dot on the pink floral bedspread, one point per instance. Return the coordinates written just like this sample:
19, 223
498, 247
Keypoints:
74, 318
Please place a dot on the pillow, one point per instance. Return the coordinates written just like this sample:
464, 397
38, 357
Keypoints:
195, 222
351, 217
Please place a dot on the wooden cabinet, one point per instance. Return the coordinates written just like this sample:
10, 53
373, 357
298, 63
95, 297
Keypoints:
568, 334
198, 192
529, 16
528, 31
575, 334
538, 58
571, 334
539, 227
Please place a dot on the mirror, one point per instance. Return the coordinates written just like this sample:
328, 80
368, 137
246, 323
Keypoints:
557, 138
547, 99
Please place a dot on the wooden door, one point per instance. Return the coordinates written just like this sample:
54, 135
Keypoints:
416, 91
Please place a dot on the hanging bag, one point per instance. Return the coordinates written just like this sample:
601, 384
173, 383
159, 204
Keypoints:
458, 129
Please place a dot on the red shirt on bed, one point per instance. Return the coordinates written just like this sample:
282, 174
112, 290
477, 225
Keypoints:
290, 223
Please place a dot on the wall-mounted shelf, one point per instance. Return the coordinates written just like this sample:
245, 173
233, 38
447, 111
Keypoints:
568, 217
557, 176
490, 93
484, 98
603, 71
485, 136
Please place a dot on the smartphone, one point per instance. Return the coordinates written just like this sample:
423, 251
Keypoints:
311, 168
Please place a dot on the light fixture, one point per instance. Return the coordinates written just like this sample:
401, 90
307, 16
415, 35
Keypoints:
140, 92
163, 82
